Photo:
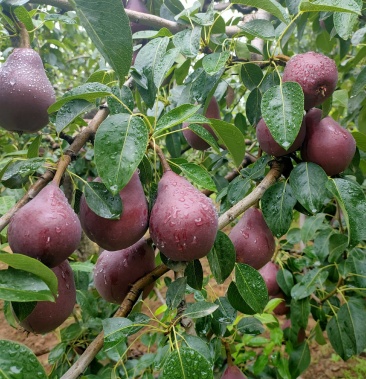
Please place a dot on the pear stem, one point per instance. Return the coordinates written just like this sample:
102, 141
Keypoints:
159, 152
23, 35
228, 352
62, 165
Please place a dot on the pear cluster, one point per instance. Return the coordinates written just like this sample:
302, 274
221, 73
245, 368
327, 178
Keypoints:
321, 140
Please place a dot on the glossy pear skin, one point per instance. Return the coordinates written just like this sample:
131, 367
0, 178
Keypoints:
213, 111
25, 92
317, 75
116, 271
46, 228
48, 315
233, 372
253, 240
183, 221
138, 6
270, 146
328, 144
269, 273
118, 234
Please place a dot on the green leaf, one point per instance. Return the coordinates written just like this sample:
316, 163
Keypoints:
200, 309
238, 189
352, 6
271, 6
300, 310
88, 92
222, 257
188, 41
23, 15
282, 110
123, 101
120, 145
108, 27
337, 245
285, 280
194, 274
225, 313
259, 28
18, 361
205, 135
34, 266
357, 261
198, 175
277, 204
18, 285
344, 24
359, 83
69, 112
253, 106
299, 360
232, 138
251, 287
33, 149
102, 202
175, 293
175, 117
360, 137
352, 201
251, 75
237, 301
199, 345
250, 325
312, 280
23, 310
6, 202
214, 62
163, 65
187, 363
311, 226
347, 329
308, 182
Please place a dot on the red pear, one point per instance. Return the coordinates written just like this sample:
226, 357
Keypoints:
282, 308
116, 271
48, 315
253, 240
46, 228
132, 225
269, 274
233, 372
183, 221
137, 6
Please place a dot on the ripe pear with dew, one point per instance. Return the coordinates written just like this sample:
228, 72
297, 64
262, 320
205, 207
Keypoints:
48, 315
233, 372
137, 6
118, 234
269, 274
253, 240
183, 221
25, 92
116, 271
317, 75
328, 144
46, 228
270, 146
198, 143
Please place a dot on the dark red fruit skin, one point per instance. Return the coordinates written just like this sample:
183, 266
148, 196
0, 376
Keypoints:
253, 240
328, 145
183, 221
137, 6
213, 111
316, 74
25, 92
47, 316
270, 146
233, 372
46, 228
116, 271
282, 308
269, 273
118, 234
301, 335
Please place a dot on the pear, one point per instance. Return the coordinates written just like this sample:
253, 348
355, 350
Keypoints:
46, 228
116, 271
132, 225
213, 111
233, 372
253, 240
137, 6
317, 75
301, 334
282, 308
269, 275
48, 315
270, 146
25, 92
183, 221
327, 144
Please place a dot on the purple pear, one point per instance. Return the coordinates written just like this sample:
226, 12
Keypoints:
137, 6
25, 92
269, 274
183, 221
46, 228
317, 75
233, 372
116, 271
253, 240
132, 225
48, 315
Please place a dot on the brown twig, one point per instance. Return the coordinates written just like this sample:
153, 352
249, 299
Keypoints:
92, 350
